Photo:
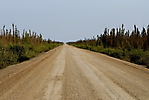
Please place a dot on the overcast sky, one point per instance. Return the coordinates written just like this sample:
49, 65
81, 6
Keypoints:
67, 20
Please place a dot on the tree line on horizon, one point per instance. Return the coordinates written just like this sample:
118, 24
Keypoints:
120, 38
120, 43
16, 47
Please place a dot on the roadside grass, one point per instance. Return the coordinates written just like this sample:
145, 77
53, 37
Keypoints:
137, 56
16, 53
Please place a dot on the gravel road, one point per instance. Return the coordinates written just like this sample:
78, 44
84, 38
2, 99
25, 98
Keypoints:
69, 73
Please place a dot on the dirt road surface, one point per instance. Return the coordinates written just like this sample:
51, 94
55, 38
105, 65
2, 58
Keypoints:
69, 73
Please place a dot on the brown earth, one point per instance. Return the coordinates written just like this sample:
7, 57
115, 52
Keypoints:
69, 73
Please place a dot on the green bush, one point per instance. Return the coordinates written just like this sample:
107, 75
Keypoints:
116, 53
16, 53
136, 56
7, 58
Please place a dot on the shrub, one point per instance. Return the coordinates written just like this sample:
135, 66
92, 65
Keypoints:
136, 56
16, 53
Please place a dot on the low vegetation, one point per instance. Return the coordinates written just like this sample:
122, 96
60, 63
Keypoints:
16, 48
130, 46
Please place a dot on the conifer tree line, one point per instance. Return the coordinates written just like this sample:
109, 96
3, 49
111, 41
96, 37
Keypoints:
120, 38
27, 37
120, 43
16, 47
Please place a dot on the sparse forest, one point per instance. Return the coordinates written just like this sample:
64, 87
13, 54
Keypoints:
128, 45
16, 47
